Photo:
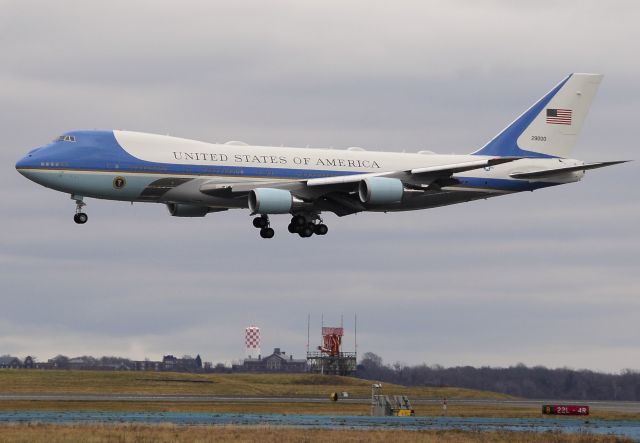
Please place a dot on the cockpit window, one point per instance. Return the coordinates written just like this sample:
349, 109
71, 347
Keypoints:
66, 138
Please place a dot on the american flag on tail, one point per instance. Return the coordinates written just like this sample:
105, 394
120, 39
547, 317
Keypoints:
559, 116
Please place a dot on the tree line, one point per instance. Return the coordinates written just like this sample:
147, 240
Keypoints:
536, 382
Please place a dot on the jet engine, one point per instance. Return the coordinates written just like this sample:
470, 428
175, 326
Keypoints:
270, 201
380, 190
187, 210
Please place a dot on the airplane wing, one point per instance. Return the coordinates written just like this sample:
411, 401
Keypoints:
338, 192
304, 188
420, 175
558, 171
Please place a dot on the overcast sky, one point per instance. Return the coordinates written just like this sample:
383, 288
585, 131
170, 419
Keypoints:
550, 278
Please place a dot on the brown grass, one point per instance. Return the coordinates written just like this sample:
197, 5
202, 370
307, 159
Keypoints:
159, 383
259, 385
41, 433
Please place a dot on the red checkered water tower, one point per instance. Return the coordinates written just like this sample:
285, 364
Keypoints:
252, 341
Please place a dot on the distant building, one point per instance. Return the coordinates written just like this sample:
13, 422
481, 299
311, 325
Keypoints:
187, 364
7, 361
276, 362
79, 363
146, 365
59, 362
43, 365
219, 368
88, 363
28, 362
92, 364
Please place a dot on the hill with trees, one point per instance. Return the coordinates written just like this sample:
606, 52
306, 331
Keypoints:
530, 382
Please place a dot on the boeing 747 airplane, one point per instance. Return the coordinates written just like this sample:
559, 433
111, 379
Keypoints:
194, 178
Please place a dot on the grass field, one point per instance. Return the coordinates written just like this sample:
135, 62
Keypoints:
245, 385
259, 385
170, 433
13, 381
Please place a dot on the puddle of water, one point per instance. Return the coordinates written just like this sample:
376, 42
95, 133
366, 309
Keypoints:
625, 428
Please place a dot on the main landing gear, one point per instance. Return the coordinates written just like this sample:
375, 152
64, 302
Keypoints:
262, 223
79, 217
303, 225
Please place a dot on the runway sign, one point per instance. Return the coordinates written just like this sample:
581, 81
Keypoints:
565, 410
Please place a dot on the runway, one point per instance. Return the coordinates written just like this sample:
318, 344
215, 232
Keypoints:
617, 406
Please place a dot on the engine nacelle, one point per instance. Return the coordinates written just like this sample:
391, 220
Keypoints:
380, 190
187, 210
270, 201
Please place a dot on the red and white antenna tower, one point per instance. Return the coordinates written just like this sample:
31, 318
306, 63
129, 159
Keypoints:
331, 341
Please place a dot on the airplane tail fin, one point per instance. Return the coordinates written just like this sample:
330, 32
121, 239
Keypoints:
551, 126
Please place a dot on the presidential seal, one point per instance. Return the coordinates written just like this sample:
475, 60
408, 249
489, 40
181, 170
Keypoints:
119, 182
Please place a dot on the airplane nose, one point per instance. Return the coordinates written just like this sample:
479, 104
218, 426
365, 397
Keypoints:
22, 163
26, 162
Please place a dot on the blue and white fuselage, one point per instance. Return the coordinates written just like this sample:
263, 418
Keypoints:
194, 178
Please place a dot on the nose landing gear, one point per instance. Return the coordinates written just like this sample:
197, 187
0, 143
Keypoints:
262, 223
79, 217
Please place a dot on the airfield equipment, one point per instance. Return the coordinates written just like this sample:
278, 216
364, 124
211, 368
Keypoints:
329, 359
383, 405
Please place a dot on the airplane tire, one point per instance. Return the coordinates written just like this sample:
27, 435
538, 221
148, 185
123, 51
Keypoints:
306, 231
259, 222
80, 218
267, 232
298, 220
320, 229
292, 228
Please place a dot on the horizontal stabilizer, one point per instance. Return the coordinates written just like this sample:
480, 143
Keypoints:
557, 171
